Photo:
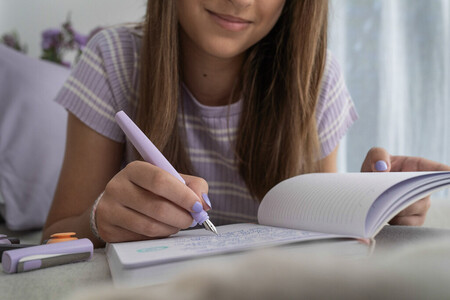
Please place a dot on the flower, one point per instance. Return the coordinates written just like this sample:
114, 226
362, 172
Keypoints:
80, 39
51, 38
57, 42
12, 40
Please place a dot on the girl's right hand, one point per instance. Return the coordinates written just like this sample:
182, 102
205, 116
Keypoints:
143, 201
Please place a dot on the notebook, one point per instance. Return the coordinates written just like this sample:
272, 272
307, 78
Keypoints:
323, 212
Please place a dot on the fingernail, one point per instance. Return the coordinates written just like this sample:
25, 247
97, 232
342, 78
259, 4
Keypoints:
206, 198
198, 207
194, 223
381, 165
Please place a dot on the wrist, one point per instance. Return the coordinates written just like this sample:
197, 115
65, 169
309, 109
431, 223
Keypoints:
93, 220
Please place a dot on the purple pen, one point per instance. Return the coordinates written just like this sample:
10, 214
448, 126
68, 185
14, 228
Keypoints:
43, 256
152, 155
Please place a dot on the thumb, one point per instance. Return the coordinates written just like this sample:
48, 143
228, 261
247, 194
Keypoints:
200, 187
377, 160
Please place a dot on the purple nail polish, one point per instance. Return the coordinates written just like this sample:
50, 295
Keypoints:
381, 165
198, 207
206, 198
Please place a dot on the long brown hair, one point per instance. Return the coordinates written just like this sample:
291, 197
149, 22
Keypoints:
280, 86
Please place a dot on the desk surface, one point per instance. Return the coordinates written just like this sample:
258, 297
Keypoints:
56, 282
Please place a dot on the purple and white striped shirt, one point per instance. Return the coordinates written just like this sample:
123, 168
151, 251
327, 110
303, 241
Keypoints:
105, 81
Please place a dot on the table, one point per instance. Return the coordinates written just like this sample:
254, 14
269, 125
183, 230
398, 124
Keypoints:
60, 281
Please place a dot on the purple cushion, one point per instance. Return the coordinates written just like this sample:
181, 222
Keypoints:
32, 137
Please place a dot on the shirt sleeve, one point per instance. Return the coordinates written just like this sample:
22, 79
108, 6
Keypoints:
335, 111
101, 83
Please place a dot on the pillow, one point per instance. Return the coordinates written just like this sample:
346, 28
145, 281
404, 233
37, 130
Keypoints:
32, 137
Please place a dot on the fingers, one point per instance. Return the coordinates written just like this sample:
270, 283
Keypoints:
377, 160
163, 184
200, 187
413, 215
410, 163
158, 208
116, 234
143, 201
408, 221
119, 223
418, 208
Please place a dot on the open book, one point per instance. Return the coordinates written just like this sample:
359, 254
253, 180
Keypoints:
323, 206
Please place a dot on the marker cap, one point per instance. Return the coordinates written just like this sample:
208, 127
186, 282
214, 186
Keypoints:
62, 237
51, 254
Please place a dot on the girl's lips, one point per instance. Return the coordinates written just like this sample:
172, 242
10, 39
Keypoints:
229, 22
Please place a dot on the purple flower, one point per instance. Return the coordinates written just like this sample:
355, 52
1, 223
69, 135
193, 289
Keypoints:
80, 39
51, 38
50, 33
57, 42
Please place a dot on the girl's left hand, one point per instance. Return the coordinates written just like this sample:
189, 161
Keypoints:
379, 160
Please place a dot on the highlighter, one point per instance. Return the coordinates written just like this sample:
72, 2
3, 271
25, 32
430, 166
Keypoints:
43, 256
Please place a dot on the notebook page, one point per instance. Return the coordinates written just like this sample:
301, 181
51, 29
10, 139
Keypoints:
402, 195
199, 243
326, 202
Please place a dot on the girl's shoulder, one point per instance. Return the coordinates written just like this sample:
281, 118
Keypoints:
104, 80
114, 52
335, 110
332, 70
120, 40
333, 86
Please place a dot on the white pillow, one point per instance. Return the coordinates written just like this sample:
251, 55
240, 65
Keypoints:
32, 137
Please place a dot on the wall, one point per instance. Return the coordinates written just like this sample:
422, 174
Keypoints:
30, 17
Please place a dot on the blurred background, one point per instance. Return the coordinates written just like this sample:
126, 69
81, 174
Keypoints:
30, 18
396, 59
395, 55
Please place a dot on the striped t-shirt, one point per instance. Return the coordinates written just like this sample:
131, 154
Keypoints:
105, 80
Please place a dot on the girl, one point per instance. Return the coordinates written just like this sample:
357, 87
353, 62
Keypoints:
239, 94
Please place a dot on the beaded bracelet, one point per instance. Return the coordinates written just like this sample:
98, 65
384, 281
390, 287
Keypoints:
93, 222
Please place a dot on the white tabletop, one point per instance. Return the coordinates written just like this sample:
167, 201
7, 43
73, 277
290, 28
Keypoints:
60, 281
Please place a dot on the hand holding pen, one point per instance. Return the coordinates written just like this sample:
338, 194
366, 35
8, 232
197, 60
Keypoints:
145, 201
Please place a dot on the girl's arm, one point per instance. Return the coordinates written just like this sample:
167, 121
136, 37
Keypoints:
329, 163
140, 201
90, 161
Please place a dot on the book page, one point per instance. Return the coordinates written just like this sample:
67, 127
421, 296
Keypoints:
401, 195
199, 243
327, 202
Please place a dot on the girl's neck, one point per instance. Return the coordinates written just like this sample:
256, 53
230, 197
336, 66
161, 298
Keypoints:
210, 79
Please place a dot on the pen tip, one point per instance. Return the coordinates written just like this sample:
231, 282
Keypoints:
210, 226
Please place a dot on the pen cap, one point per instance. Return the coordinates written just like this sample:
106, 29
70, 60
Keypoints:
4, 240
11, 258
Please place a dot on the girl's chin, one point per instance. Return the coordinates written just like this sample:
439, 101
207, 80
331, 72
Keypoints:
225, 52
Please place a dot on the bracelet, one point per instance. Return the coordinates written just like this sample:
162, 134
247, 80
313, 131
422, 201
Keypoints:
93, 222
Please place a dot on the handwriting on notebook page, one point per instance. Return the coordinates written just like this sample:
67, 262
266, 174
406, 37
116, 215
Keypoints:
250, 236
